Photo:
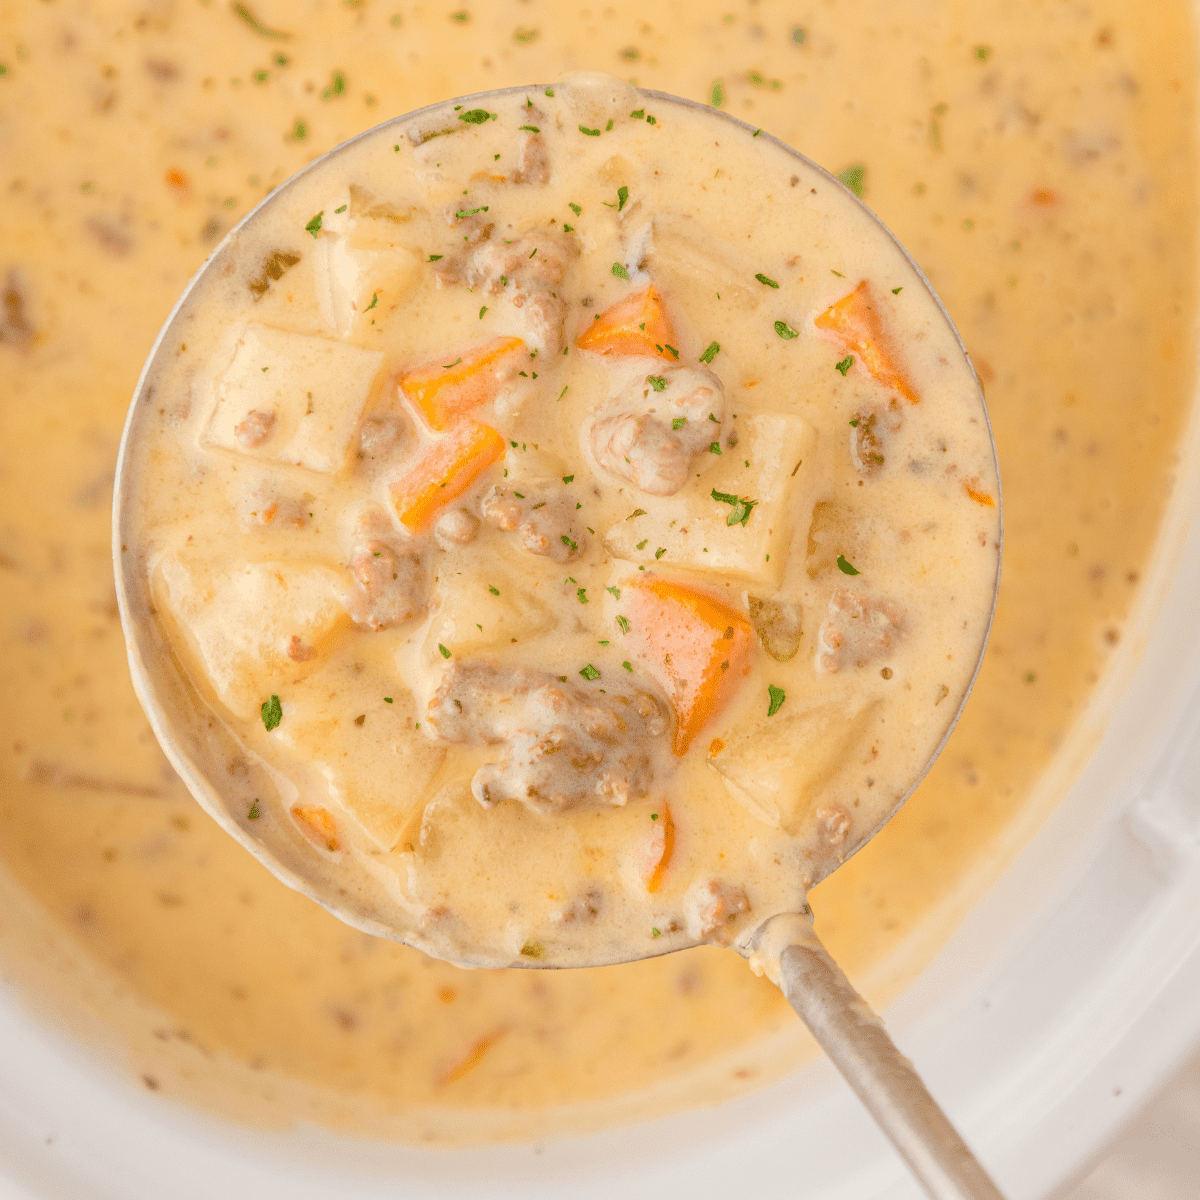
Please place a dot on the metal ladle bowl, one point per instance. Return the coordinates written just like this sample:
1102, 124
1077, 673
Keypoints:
222, 776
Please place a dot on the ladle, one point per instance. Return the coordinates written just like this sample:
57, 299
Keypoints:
785, 947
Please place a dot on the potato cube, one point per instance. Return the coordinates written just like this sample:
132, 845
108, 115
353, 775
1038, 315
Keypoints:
292, 398
377, 768
252, 627
691, 529
481, 612
777, 769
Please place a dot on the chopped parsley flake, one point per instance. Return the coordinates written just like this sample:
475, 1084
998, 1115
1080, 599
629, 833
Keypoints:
642, 544
314, 226
494, 590
470, 212
433, 258
447, 366
568, 479
741, 507
530, 128
619, 271
589, 132
778, 696
443, 651
615, 591
566, 541
568, 228
657, 382
255, 811
374, 301
244, 12
624, 623
844, 365
853, 177
581, 595
678, 422
342, 209
388, 700
476, 116
660, 552
785, 331
846, 567
765, 281
655, 932
532, 949
337, 85
897, 291
271, 712
575, 208
716, 94
627, 665
589, 672
714, 348
714, 448
672, 351
482, 310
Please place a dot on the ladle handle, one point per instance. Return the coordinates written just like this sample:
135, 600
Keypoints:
884, 1080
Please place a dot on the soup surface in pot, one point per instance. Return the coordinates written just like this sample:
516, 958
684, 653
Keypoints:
1040, 167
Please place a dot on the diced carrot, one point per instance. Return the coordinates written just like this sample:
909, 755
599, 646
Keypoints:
696, 647
446, 471
445, 393
317, 825
980, 497
715, 748
472, 1058
856, 322
663, 846
635, 326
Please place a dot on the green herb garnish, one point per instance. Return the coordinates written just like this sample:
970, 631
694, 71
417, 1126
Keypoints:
657, 382
846, 567
589, 672
589, 132
619, 271
778, 696
271, 712
844, 365
244, 12
443, 651
678, 422
476, 116
314, 226
785, 331
853, 178
764, 280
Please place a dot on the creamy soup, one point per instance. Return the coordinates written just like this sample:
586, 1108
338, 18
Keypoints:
592, 592
1039, 164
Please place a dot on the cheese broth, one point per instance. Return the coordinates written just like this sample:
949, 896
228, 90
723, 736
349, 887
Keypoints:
1033, 162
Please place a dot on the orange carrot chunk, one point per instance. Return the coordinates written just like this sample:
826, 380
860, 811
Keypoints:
857, 323
697, 648
662, 847
449, 467
635, 326
317, 825
445, 392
